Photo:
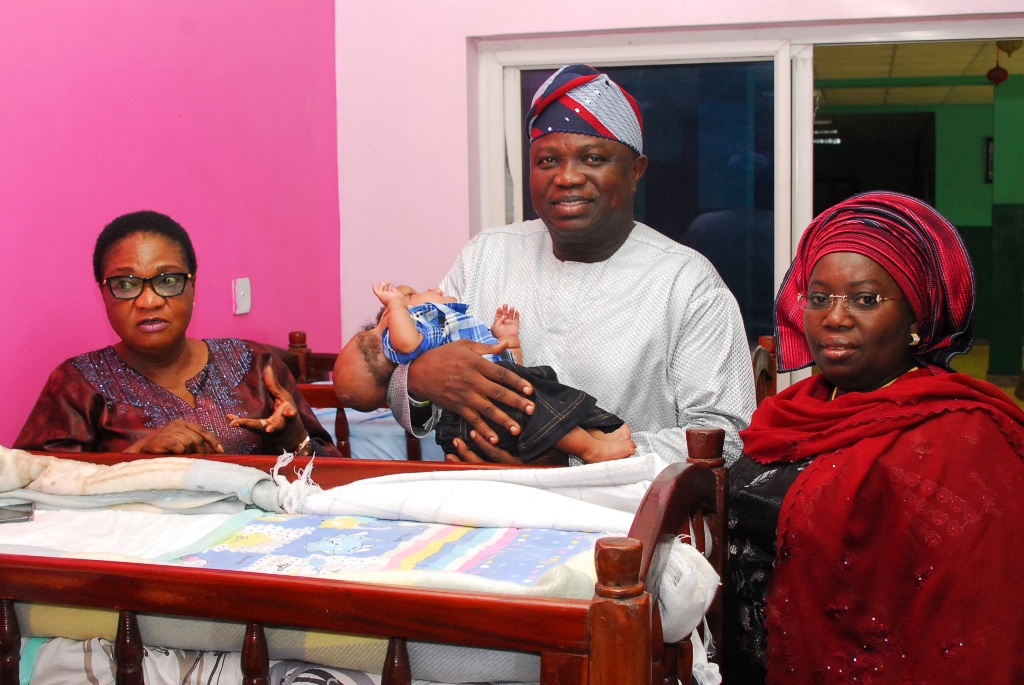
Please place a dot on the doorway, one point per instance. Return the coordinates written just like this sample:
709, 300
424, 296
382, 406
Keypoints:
923, 119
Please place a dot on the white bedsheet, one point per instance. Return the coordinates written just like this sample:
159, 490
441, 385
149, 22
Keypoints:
110, 532
601, 498
60, 662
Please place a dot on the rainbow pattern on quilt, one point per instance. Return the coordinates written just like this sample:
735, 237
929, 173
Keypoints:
298, 545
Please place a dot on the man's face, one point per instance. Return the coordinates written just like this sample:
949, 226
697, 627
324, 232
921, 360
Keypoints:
583, 186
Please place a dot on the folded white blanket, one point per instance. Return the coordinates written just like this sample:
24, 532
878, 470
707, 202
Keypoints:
600, 498
20, 471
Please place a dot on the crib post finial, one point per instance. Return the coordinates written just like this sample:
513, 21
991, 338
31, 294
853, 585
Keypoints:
255, 656
297, 346
704, 446
128, 650
10, 643
396, 664
620, 616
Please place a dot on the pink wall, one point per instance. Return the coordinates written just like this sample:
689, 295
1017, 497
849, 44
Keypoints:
402, 79
219, 113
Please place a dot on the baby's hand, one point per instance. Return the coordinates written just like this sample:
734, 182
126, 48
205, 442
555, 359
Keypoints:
385, 293
506, 321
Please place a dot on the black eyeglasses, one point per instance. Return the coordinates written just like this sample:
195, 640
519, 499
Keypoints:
130, 287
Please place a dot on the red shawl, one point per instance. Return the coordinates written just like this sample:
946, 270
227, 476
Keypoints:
901, 546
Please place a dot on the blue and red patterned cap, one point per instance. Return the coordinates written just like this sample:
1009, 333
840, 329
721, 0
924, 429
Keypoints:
580, 99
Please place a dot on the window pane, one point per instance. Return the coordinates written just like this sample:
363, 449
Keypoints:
709, 136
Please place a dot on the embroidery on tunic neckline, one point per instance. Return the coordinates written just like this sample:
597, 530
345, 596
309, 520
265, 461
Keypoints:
108, 374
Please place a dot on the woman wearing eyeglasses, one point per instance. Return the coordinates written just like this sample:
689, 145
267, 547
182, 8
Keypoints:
158, 391
876, 516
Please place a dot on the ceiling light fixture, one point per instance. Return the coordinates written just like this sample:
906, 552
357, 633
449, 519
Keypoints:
1009, 46
997, 74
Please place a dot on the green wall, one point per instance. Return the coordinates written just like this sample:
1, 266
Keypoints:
961, 193
1009, 120
1005, 357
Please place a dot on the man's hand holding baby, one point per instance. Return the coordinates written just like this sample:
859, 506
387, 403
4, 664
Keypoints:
455, 376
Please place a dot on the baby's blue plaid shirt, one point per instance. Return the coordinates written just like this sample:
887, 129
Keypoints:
441, 324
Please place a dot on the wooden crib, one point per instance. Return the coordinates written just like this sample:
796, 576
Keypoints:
612, 639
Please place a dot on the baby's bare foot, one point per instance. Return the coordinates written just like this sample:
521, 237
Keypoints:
608, 450
623, 432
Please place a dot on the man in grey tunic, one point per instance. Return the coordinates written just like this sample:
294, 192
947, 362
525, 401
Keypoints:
642, 323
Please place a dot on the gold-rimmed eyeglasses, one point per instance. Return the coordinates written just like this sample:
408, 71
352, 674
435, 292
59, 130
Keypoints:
859, 302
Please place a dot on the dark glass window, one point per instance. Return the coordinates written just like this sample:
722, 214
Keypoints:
709, 135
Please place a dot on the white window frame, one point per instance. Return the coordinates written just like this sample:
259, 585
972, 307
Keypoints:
501, 128
496, 193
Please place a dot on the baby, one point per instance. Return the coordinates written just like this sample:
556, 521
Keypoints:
565, 421
417, 322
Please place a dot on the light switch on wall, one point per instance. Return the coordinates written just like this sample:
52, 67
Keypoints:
241, 295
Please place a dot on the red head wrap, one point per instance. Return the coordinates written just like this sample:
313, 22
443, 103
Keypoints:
914, 243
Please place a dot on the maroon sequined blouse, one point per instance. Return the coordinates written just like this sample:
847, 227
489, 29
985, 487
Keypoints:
95, 402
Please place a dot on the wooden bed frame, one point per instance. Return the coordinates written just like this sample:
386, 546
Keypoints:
613, 639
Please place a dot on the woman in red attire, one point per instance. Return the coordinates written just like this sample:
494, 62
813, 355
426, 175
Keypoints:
875, 517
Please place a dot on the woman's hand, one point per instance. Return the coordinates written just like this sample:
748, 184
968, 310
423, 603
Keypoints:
178, 437
457, 378
283, 428
494, 453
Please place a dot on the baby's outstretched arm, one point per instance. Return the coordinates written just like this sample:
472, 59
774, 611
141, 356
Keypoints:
506, 329
402, 331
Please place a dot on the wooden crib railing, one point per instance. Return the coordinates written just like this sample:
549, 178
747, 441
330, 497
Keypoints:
607, 638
